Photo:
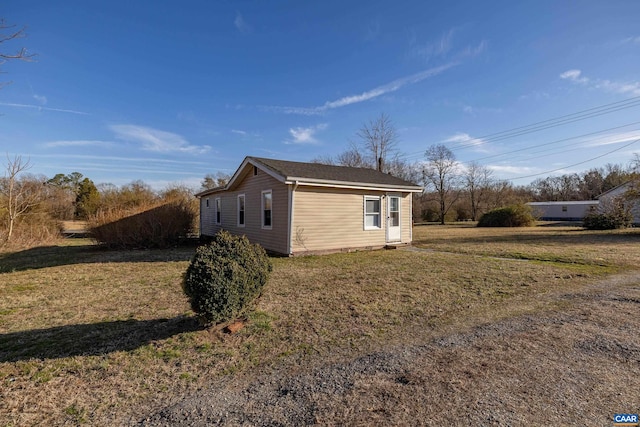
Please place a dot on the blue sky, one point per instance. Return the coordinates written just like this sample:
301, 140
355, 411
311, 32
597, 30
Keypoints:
167, 92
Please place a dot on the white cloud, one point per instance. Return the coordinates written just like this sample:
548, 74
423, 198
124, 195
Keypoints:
434, 48
443, 47
632, 88
627, 88
631, 40
42, 100
302, 135
120, 159
574, 76
535, 95
157, 140
241, 24
464, 139
41, 108
474, 50
77, 143
239, 132
515, 170
364, 96
615, 139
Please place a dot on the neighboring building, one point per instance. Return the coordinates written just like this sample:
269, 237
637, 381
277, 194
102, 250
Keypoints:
563, 211
294, 208
608, 197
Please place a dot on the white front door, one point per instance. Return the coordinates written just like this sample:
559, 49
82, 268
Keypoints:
393, 219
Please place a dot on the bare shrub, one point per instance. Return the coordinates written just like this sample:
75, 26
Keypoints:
610, 216
158, 225
33, 229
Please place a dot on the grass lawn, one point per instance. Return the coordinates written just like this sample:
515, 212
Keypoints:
104, 337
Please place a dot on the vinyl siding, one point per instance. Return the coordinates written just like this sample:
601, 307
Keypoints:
207, 216
333, 219
406, 217
274, 239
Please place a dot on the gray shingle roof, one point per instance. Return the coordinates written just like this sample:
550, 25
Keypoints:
317, 171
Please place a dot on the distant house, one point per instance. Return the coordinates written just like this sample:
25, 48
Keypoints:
563, 211
608, 197
294, 208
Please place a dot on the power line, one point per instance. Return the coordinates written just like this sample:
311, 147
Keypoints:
544, 124
557, 141
562, 120
575, 164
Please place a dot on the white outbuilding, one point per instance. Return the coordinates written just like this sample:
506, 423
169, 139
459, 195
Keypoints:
564, 210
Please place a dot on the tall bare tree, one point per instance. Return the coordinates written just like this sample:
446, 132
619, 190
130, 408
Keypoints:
441, 172
19, 195
379, 140
478, 184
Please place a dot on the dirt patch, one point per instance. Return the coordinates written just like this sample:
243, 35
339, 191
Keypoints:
577, 366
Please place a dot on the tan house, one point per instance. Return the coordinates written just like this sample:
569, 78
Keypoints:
294, 208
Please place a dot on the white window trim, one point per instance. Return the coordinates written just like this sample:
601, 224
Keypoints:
217, 204
238, 210
364, 210
265, 227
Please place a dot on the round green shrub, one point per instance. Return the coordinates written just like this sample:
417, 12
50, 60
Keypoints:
509, 216
225, 276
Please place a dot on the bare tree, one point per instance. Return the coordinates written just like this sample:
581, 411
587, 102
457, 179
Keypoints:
220, 179
353, 157
324, 160
403, 169
7, 34
379, 140
478, 183
442, 173
19, 195
591, 184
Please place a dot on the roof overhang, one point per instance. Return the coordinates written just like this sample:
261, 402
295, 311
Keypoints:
308, 182
351, 185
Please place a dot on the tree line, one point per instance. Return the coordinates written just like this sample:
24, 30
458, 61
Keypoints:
33, 206
453, 191
456, 191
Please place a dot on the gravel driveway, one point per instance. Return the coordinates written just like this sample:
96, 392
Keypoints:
575, 366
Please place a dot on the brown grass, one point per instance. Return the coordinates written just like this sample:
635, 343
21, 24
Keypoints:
565, 244
97, 336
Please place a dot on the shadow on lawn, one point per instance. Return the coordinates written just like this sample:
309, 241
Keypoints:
53, 256
92, 339
568, 237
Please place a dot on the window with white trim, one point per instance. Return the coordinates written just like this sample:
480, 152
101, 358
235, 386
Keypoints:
372, 213
241, 210
206, 201
218, 212
267, 209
